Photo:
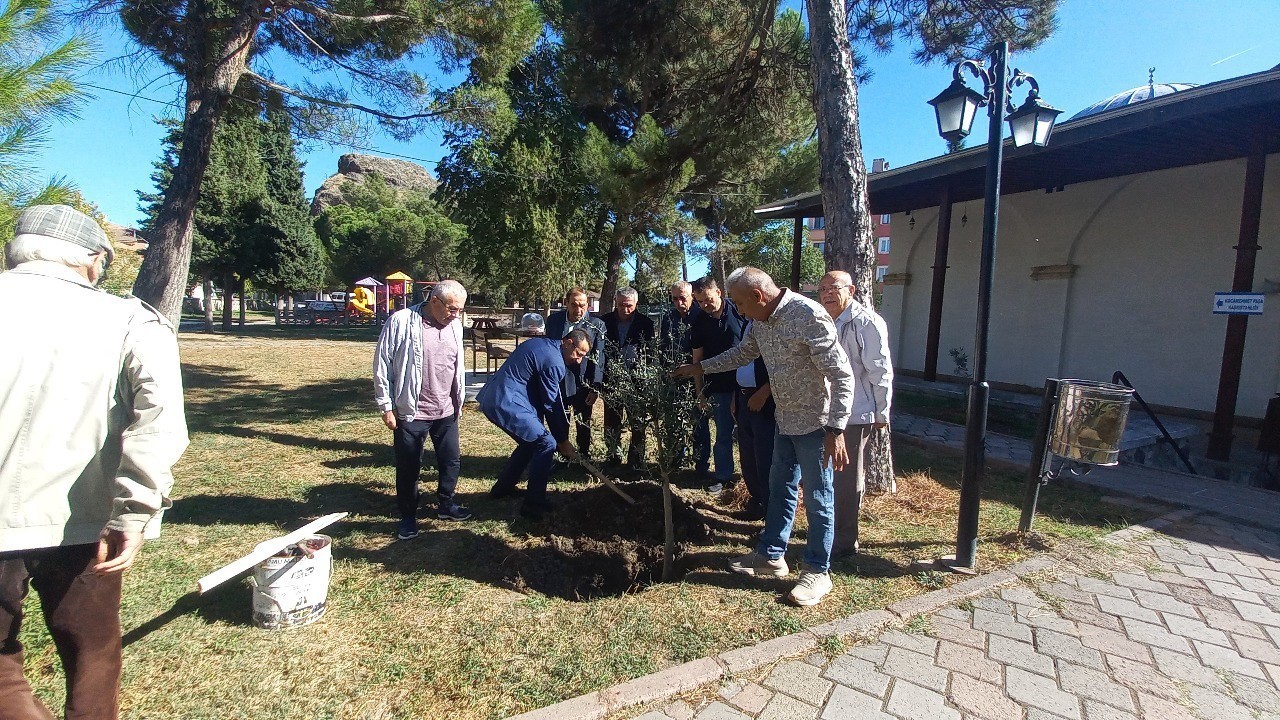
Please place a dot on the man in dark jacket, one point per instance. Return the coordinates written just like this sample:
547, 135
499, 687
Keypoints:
581, 385
674, 336
519, 398
629, 332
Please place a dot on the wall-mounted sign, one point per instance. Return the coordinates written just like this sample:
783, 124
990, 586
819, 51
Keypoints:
1237, 303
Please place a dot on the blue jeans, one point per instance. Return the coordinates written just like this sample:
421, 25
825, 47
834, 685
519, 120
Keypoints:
537, 456
701, 444
722, 415
798, 458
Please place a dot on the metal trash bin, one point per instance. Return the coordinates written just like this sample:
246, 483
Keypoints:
1089, 421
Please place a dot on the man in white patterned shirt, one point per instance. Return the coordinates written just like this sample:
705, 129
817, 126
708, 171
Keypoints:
812, 387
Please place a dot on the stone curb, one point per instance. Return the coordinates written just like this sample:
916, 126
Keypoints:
682, 678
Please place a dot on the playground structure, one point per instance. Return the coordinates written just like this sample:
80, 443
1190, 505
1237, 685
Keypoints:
369, 303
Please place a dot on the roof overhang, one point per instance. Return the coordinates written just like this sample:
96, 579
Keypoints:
1218, 121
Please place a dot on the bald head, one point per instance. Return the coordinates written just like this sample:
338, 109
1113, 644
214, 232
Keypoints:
835, 291
753, 291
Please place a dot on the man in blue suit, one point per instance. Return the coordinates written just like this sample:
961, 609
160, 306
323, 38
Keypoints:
521, 396
581, 385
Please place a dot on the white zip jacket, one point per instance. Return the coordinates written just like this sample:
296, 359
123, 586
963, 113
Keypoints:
91, 416
397, 364
865, 339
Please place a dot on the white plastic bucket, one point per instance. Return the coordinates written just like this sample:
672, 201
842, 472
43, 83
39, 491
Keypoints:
289, 589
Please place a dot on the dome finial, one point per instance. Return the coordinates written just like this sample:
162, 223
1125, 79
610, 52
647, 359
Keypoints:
1151, 80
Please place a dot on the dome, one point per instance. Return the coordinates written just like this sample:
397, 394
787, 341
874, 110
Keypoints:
1134, 95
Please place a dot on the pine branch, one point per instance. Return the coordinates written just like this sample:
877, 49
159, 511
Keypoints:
273, 85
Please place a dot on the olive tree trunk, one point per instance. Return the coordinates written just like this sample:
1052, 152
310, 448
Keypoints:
843, 178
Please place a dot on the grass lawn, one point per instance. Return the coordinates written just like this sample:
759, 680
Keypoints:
452, 624
1003, 420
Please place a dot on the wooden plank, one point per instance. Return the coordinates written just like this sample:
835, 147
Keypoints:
268, 549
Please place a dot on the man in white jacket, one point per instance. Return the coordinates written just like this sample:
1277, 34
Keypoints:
865, 339
91, 424
418, 384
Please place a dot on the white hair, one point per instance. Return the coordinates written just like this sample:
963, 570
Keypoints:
751, 278
680, 286
629, 293
448, 289
28, 247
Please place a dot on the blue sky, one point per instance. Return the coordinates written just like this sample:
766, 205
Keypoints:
1101, 47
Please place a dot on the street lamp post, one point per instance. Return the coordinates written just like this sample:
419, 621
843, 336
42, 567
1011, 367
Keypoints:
1032, 123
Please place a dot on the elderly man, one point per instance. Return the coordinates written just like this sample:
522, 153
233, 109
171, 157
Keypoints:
524, 393
812, 386
865, 340
716, 330
581, 385
675, 332
418, 381
631, 333
91, 424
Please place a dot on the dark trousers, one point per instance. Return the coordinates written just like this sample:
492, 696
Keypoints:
408, 439
537, 456
82, 612
755, 446
613, 420
582, 419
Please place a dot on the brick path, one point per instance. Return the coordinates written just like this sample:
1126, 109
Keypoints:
1179, 624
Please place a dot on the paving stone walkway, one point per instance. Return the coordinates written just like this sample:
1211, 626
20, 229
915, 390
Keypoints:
1177, 624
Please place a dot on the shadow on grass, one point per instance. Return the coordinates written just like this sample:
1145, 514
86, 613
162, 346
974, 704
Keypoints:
217, 395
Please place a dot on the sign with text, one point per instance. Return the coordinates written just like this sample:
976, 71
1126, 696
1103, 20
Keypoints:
1237, 303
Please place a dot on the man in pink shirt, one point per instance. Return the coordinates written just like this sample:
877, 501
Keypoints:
418, 379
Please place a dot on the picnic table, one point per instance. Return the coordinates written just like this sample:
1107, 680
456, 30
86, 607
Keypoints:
485, 322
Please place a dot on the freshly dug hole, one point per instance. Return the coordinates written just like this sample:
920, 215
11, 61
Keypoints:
597, 545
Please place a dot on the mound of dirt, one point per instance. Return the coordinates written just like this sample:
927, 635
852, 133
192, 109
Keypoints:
597, 545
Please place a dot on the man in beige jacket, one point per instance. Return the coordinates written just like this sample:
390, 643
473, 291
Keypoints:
91, 424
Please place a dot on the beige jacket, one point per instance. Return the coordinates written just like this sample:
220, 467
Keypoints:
91, 416
809, 374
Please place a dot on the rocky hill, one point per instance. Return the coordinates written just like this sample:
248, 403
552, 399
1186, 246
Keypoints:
399, 174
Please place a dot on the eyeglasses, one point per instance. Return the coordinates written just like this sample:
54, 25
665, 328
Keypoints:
450, 310
832, 288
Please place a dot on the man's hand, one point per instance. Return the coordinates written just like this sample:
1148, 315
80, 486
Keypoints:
757, 400
879, 425
389, 419
690, 370
566, 448
116, 550
592, 396
833, 451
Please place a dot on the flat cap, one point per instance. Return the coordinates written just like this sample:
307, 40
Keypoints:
63, 222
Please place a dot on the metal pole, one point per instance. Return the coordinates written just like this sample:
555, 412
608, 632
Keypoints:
1039, 454
975, 435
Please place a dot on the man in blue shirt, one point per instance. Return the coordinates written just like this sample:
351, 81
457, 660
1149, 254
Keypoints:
716, 330
581, 384
521, 396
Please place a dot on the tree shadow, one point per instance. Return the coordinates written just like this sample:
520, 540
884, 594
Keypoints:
340, 333
235, 396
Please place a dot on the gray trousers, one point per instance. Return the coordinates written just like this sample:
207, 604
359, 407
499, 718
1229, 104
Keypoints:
850, 484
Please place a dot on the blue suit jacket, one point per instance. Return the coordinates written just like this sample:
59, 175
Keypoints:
526, 391
590, 372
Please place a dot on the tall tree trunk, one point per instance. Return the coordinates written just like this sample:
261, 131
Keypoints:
228, 299
613, 268
242, 303
208, 304
163, 274
843, 177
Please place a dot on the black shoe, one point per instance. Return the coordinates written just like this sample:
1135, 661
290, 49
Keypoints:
501, 491
408, 529
453, 511
750, 513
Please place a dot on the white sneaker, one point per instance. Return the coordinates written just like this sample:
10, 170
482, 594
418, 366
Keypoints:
754, 563
813, 586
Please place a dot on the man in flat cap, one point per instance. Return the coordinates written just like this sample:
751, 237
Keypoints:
91, 424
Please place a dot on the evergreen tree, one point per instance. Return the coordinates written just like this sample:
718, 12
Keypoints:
293, 258
35, 89
214, 46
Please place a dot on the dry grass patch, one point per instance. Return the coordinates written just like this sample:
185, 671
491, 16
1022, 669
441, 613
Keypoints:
452, 624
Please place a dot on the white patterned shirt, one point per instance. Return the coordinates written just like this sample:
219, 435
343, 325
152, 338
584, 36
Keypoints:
809, 374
